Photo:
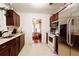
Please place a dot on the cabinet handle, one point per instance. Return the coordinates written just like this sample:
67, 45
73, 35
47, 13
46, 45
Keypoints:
4, 46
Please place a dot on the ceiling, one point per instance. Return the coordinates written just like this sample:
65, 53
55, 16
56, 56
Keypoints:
37, 7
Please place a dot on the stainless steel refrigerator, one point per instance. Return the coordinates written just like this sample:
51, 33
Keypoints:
68, 42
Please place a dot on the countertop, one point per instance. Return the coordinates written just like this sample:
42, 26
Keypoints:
4, 40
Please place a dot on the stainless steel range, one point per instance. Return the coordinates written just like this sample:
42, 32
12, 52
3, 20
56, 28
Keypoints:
51, 41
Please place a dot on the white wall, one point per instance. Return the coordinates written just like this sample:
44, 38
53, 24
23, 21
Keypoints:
26, 24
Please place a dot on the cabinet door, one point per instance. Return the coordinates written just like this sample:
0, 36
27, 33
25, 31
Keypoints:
17, 47
17, 20
54, 17
12, 18
4, 51
22, 41
50, 21
12, 46
9, 17
9, 20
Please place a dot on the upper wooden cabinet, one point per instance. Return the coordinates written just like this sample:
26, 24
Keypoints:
12, 18
54, 17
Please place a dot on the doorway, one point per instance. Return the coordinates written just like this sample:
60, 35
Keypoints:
36, 31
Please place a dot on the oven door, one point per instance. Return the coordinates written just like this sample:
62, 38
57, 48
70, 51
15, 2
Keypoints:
51, 41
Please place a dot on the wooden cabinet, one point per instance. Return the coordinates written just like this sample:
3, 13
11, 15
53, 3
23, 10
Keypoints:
53, 18
12, 18
12, 50
12, 47
22, 41
17, 46
4, 50
7, 49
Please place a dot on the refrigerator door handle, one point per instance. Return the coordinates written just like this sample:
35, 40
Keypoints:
70, 32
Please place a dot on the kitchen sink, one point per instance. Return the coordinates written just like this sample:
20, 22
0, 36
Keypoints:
7, 37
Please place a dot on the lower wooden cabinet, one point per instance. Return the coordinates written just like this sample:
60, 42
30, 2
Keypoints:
22, 41
5, 51
17, 46
12, 51
12, 47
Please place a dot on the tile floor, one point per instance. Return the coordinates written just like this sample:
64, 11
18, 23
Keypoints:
36, 50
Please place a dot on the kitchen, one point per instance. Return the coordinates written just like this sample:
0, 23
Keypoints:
58, 28
66, 38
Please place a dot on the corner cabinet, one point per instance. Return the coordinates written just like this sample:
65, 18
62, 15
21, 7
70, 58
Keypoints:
12, 47
12, 18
